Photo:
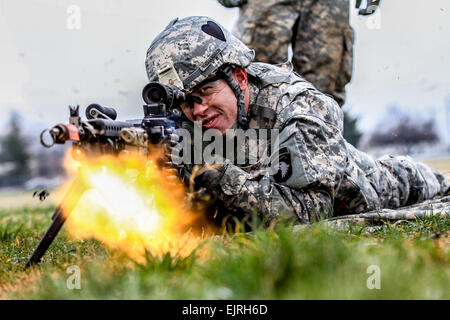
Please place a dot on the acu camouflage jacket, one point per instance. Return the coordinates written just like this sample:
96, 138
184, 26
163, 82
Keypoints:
325, 176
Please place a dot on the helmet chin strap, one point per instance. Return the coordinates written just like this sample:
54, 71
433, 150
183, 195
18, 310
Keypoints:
242, 119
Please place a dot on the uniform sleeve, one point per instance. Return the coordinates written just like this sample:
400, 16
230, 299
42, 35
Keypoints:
312, 159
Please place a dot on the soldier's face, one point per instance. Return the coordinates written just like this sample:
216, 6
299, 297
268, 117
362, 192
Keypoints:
214, 103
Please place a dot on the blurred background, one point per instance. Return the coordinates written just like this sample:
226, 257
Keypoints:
56, 53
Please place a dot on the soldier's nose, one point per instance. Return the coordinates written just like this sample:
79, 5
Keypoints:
199, 109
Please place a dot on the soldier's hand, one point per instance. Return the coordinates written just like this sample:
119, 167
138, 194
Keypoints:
208, 176
173, 150
232, 3
172, 160
371, 7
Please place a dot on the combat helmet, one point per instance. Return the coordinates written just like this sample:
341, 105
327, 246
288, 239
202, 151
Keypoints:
191, 49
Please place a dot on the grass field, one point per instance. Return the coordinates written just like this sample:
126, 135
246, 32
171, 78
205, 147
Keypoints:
315, 262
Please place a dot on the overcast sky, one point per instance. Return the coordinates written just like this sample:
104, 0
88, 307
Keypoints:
401, 56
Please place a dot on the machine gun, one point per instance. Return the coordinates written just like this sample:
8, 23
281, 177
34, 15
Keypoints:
102, 134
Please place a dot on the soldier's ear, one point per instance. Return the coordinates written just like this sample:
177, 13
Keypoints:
240, 75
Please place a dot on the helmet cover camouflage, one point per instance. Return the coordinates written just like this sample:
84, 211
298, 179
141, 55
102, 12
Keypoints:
196, 47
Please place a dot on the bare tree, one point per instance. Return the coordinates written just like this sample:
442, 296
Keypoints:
405, 132
14, 150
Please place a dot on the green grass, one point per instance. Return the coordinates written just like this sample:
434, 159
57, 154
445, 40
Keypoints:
315, 262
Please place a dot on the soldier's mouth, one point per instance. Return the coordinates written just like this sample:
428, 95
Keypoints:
210, 122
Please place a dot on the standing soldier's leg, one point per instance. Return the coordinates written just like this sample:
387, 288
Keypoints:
323, 46
266, 26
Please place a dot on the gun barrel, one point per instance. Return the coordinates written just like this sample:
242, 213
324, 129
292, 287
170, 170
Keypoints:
111, 128
59, 134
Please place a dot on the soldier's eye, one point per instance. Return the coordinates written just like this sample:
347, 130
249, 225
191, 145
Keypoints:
204, 91
189, 103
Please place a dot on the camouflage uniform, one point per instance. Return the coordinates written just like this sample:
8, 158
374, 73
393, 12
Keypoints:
319, 31
323, 175
329, 176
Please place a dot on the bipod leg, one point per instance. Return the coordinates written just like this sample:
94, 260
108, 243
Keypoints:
69, 202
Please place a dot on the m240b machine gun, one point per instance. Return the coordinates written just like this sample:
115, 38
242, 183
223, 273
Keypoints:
102, 134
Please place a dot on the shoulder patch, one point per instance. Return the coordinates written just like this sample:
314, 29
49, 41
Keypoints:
285, 167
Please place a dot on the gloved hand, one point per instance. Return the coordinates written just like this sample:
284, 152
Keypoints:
232, 3
172, 150
208, 176
372, 6
171, 161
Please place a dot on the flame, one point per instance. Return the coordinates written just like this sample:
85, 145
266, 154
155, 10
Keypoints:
129, 203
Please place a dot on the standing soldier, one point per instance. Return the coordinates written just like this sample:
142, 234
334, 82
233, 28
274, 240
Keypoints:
318, 30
